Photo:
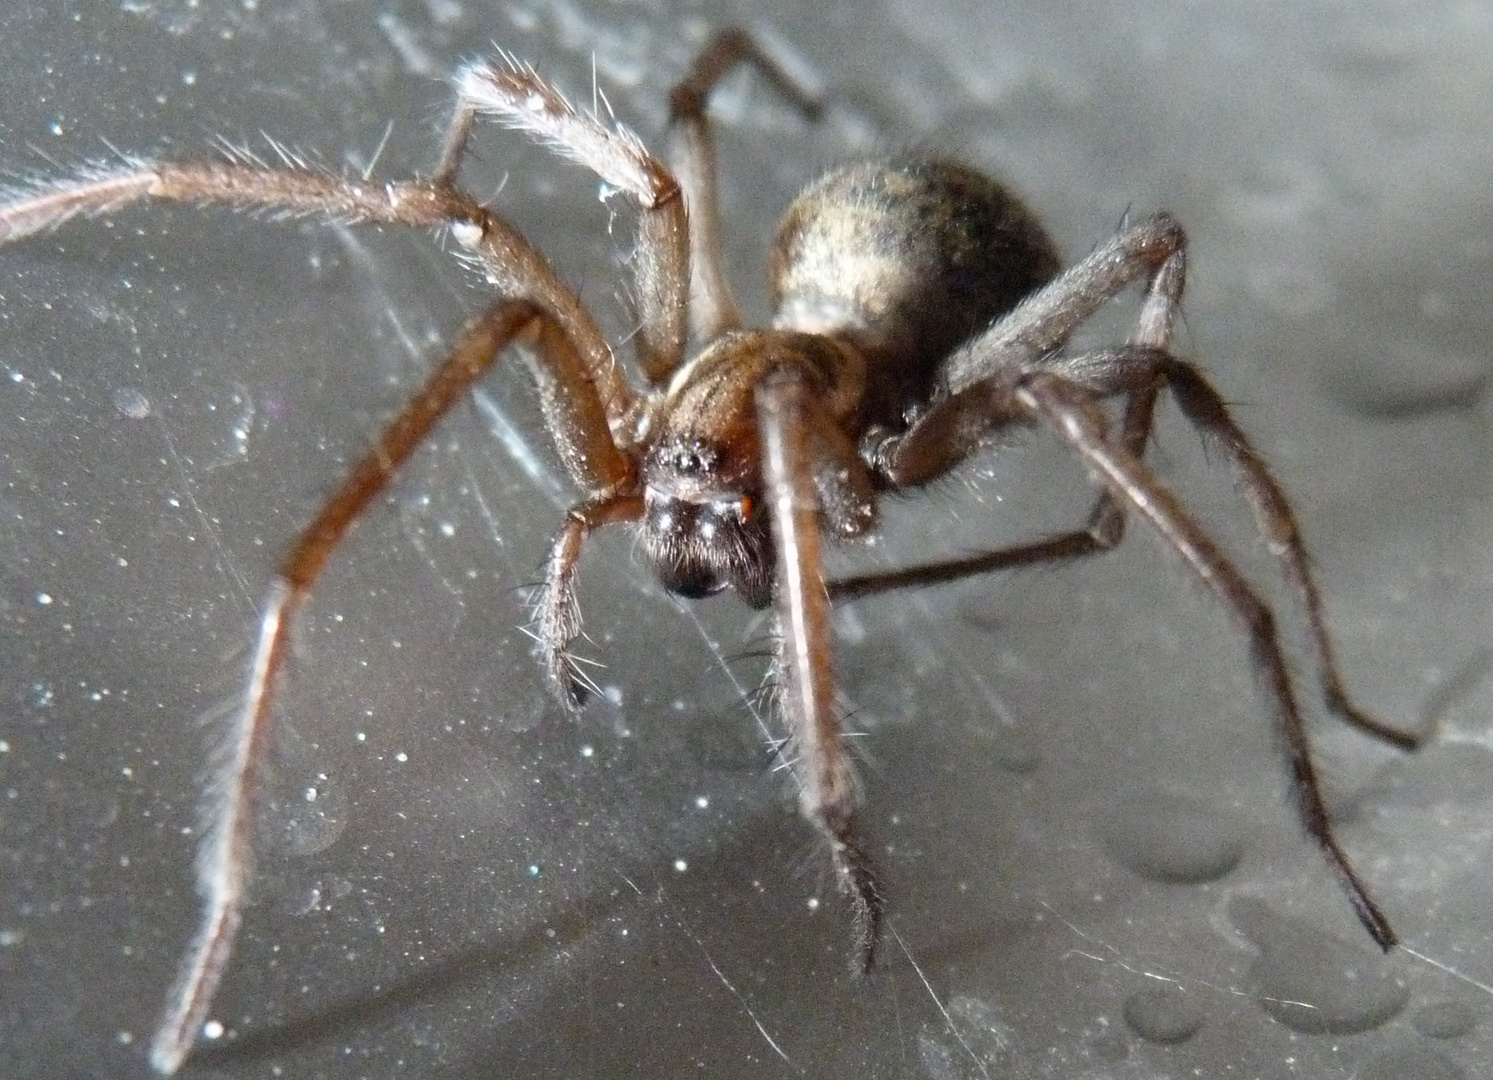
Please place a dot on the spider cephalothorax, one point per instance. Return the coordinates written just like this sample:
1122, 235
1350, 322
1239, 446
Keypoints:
918, 313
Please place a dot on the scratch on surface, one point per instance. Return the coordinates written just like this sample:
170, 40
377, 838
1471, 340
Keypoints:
745, 695
518, 448
358, 254
721, 975
226, 564
417, 60
494, 530
1113, 956
1453, 972
943, 1011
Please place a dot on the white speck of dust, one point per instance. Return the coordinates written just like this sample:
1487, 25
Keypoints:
702, 801
401, 757
813, 903
448, 529
212, 1030
680, 866
588, 751
311, 794
43, 599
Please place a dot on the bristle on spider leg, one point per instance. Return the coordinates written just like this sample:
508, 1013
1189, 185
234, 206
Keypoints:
225, 850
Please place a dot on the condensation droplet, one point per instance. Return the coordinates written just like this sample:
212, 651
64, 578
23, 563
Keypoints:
1164, 1014
308, 821
1411, 1063
1312, 982
1171, 839
132, 403
1445, 1019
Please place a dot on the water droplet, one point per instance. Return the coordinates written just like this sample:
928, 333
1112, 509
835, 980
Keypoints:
1167, 838
1164, 1014
1445, 1019
1411, 1063
308, 820
1312, 982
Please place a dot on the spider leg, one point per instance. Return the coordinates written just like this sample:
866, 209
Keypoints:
455, 142
1045, 319
1274, 517
518, 97
226, 854
557, 613
804, 664
240, 183
1075, 415
713, 308
955, 426
511, 263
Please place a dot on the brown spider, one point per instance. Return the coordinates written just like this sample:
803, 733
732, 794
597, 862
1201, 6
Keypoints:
918, 309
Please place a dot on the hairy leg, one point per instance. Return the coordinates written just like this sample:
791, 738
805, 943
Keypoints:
955, 427
1075, 415
517, 96
225, 854
712, 306
804, 665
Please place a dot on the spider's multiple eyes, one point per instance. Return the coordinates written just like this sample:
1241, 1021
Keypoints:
707, 520
687, 458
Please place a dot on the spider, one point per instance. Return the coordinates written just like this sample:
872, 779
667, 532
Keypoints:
919, 311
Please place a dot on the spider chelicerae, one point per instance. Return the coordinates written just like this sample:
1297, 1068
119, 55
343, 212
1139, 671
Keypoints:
918, 312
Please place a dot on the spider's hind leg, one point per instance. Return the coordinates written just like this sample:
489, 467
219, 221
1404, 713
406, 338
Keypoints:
957, 424
1074, 413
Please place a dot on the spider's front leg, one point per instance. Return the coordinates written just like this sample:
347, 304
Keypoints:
713, 308
557, 613
225, 856
516, 95
796, 468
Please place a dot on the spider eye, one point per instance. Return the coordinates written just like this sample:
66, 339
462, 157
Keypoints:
735, 508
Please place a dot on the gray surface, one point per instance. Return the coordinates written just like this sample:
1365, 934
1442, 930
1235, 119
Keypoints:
181, 388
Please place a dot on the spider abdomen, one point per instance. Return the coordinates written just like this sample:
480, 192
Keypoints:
906, 258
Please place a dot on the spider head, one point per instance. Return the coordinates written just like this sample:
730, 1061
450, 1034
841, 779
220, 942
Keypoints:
700, 529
